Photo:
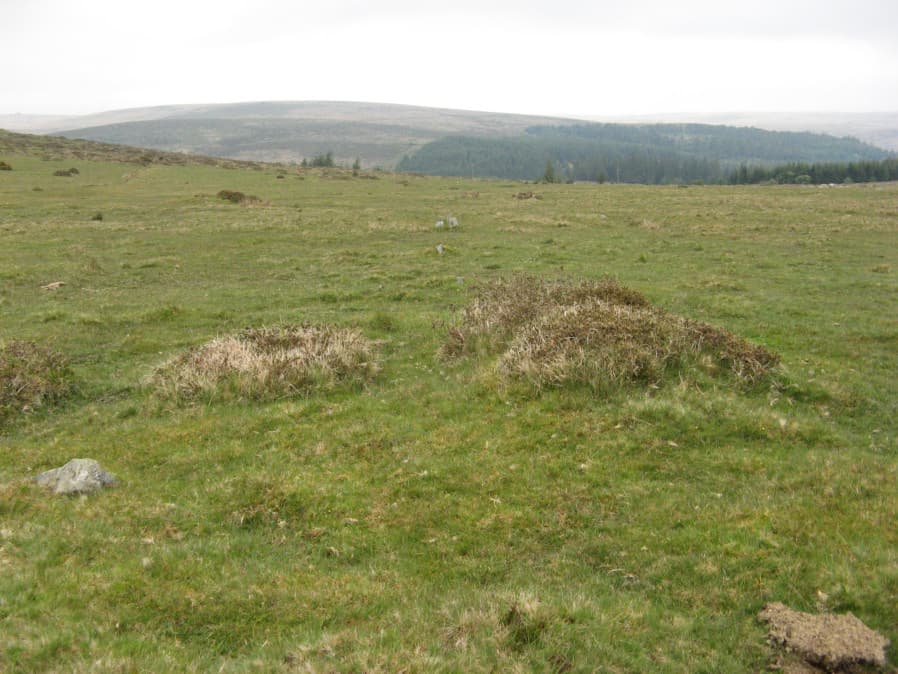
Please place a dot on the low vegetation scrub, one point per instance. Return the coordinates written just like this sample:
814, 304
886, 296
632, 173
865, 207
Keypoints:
66, 173
237, 197
269, 363
4, 166
597, 333
501, 308
31, 376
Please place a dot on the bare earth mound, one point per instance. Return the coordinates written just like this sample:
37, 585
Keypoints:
597, 333
835, 643
267, 363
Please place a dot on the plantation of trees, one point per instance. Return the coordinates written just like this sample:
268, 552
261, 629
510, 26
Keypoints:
816, 174
650, 154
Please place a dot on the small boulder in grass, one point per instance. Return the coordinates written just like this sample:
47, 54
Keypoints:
78, 476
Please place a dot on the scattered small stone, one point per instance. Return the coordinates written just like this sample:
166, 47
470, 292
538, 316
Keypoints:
453, 222
440, 249
832, 642
440, 224
78, 476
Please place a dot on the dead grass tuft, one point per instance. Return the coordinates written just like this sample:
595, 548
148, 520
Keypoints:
526, 623
236, 197
268, 363
501, 308
596, 333
31, 376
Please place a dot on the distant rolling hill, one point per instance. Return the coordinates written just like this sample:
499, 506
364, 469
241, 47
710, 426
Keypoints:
35, 123
281, 140
453, 142
877, 128
378, 134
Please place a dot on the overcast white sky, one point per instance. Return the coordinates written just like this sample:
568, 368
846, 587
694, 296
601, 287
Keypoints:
551, 57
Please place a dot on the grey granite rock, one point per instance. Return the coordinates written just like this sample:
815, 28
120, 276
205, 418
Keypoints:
78, 476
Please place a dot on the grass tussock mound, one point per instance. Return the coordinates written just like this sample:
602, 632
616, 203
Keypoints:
236, 197
31, 376
597, 333
268, 363
502, 308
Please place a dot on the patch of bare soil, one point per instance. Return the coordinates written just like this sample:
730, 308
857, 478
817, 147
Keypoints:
824, 642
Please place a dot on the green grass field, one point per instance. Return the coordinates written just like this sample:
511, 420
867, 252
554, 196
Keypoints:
440, 518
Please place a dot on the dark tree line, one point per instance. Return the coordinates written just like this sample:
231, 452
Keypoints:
818, 173
562, 160
650, 154
724, 143
325, 160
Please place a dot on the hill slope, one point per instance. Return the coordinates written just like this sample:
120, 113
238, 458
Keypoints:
377, 133
268, 139
418, 139
56, 148
877, 128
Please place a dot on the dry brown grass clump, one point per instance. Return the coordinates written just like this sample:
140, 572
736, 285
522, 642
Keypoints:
267, 363
597, 333
501, 308
30, 376
236, 197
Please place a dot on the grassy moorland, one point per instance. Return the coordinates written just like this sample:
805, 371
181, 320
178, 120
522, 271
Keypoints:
438, 517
